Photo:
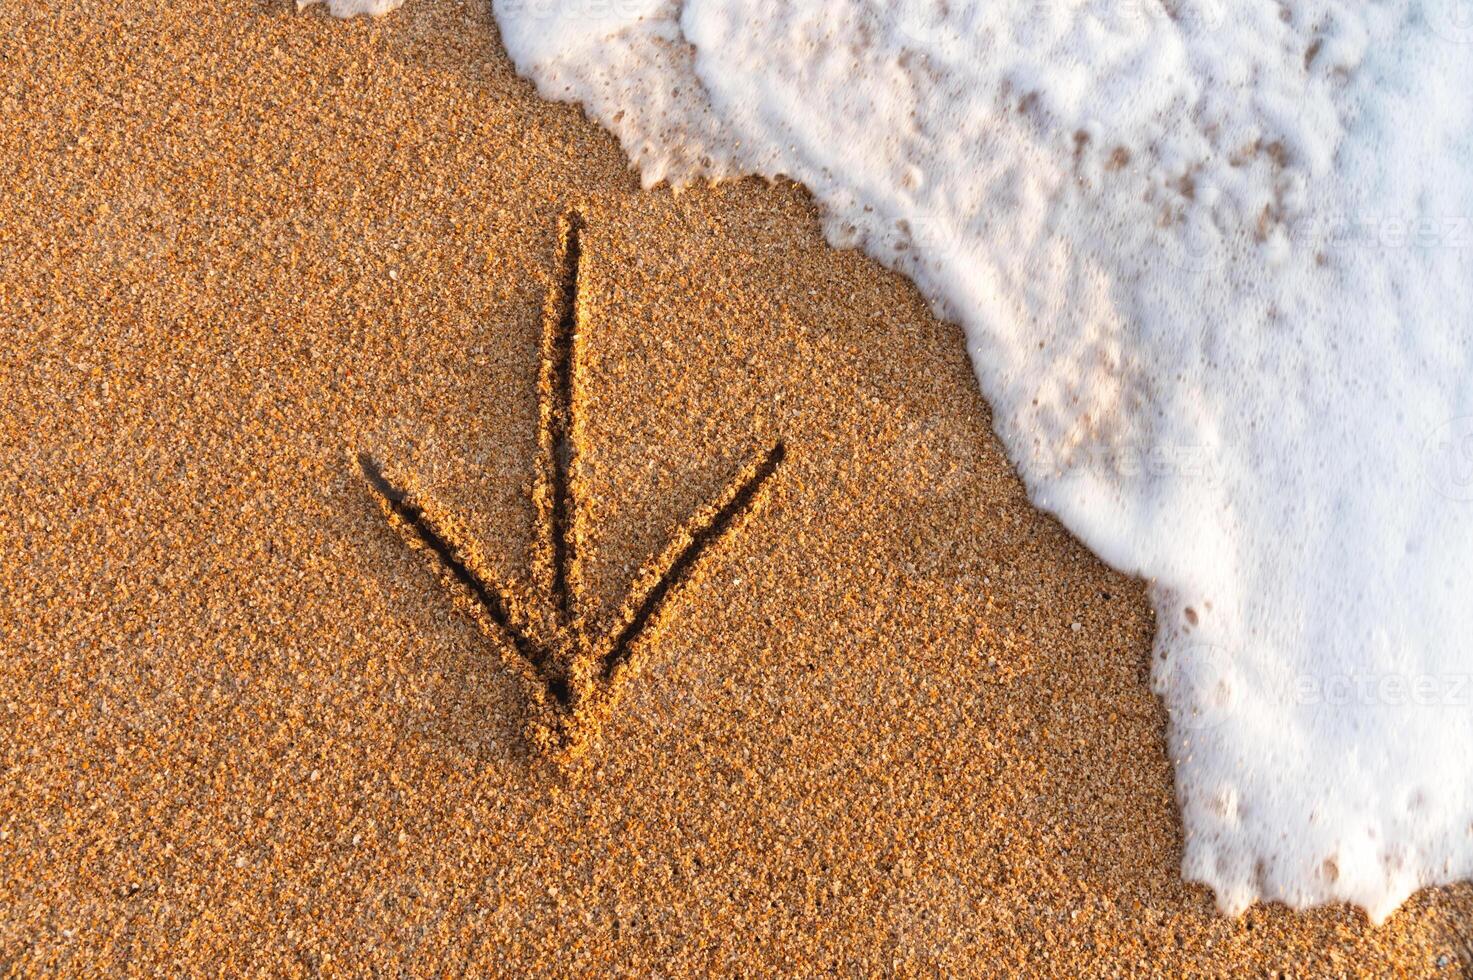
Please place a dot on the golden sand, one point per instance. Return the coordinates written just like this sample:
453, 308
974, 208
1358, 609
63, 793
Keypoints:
899, 723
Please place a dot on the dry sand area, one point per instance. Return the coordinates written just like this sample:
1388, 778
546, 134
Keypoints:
897, 721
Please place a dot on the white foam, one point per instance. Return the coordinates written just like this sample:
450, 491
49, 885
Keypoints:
1213, 263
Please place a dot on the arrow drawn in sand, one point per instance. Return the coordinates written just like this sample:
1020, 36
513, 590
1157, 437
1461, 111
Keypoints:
572, 671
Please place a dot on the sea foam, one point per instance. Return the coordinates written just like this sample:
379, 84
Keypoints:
1215, 267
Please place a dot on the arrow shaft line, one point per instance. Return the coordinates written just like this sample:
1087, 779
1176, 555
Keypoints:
413, 519
574, 674
556, 503
663, 577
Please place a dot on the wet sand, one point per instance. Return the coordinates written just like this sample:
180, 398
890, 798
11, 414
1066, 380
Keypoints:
898, 721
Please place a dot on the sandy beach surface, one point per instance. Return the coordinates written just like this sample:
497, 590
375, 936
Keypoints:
897, 721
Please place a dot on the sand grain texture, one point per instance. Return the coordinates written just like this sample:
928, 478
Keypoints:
247, 729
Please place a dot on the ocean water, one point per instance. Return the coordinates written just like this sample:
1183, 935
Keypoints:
1214, 261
